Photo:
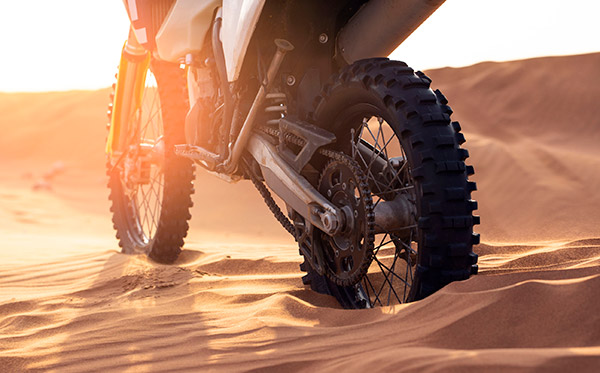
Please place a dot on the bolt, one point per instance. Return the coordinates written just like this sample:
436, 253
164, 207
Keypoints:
290, 80
329, 192
352, 248
356, 213
344, 186
337, 253
323, 38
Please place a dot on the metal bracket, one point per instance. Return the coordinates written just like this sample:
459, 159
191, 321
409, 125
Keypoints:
313, 136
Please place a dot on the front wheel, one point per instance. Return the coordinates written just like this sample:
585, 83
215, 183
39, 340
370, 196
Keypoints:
150, 187
388, 121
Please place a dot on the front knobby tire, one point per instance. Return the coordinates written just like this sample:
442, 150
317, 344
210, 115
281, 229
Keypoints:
365, 100
151, 217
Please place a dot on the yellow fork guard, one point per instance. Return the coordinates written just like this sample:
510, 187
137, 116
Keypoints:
129, 91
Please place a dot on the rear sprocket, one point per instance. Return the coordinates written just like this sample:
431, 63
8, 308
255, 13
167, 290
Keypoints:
348, 254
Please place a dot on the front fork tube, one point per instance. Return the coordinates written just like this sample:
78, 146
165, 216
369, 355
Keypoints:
128, 94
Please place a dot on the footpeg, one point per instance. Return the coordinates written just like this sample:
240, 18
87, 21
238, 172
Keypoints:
199, 154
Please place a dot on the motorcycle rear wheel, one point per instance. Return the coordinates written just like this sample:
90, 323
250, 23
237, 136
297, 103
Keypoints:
151, 187
391, 109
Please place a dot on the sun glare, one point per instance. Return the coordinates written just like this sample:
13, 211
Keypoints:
60, 44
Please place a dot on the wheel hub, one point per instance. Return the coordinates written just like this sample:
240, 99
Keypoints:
139, 160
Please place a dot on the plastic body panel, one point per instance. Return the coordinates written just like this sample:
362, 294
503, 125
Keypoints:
184, 29
239, 22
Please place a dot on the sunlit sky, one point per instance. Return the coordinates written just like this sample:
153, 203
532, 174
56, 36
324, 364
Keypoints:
50, 45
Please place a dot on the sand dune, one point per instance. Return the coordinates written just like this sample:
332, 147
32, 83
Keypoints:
533, 131
69, 301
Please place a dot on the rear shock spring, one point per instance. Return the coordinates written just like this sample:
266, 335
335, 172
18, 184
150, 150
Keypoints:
276, 108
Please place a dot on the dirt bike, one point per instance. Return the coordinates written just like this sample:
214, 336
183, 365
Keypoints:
294, 94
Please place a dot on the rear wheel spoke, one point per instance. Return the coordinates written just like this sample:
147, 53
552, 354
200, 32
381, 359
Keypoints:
396, 279
370, 285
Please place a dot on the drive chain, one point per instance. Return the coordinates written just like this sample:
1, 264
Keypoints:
363, 184
268, 198
264, 191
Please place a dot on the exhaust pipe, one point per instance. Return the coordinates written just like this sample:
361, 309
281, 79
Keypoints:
380, 26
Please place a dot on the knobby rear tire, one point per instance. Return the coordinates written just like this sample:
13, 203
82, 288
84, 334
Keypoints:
421, 119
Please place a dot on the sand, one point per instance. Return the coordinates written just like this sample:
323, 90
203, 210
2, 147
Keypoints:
69, 301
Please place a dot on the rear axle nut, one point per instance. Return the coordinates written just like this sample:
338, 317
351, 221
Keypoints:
329, 221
